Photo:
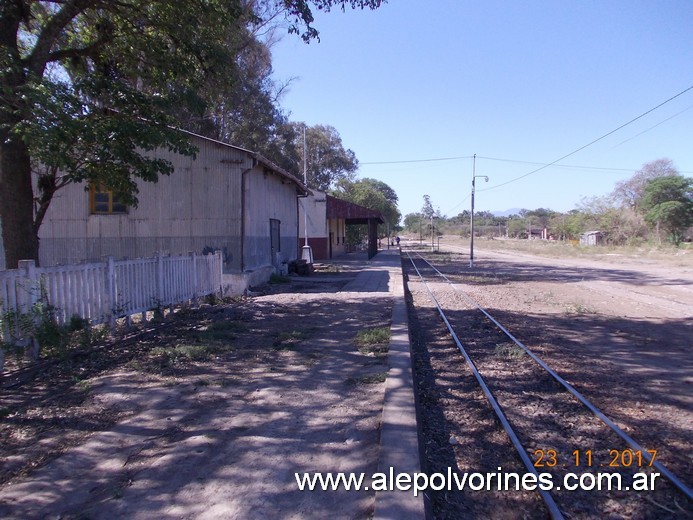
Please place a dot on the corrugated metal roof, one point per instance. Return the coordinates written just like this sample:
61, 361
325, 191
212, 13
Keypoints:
260, 159
338, 208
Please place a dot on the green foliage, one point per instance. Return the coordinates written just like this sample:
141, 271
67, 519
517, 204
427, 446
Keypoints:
372, 336
371, 194
629, 193
289, 340
368, 379
427, 210
374, 342
71, 141
327, 161
411, 222
183, 352
668, 202
40, 324
224, 331
509, 351
88, 88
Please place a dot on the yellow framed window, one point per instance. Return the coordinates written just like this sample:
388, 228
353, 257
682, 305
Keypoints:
106, 202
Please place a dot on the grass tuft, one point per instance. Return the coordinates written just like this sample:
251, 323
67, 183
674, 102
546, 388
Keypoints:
374, 341
289, 340
368, 379
509, 351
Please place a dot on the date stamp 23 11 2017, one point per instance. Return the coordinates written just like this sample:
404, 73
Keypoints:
626, 458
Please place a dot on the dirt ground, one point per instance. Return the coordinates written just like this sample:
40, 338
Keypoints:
617, 328
208, 416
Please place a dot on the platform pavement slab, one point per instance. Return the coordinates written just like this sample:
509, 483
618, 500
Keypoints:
399, 445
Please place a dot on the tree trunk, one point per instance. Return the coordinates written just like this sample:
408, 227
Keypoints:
16, 194
19, 240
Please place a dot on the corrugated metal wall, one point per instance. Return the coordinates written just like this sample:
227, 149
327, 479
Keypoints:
197, 208
269, 196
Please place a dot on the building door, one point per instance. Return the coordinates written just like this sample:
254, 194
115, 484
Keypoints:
275, 243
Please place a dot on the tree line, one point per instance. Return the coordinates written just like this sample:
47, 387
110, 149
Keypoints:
655, 205
88, 87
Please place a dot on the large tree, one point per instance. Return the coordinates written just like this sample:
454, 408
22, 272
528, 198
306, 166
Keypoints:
372, 194
84, 80
326, 159
630, 192
668, 203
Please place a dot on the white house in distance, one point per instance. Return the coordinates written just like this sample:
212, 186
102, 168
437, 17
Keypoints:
226, 199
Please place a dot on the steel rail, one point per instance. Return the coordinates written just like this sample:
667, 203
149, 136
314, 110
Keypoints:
554, 511
596, 411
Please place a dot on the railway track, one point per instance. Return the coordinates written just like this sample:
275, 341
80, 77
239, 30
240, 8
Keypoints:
562, 439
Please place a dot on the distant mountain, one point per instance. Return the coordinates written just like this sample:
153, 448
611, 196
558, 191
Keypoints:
507, 212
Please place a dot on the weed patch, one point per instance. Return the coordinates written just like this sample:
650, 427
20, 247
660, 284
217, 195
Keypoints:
185, 352
375, 342
223, 331
509, 351
579, 308
368, 379
289, 340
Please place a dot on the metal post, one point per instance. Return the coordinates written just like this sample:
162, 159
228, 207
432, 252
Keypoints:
307, 252
420, 232
471, 218
305, 182
471, 221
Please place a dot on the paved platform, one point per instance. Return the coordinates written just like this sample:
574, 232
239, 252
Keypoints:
375, 275
198, 449
399, 447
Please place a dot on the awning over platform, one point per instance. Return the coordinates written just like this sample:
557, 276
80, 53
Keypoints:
355, 214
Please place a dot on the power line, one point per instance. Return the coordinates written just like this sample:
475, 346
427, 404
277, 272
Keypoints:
517, 161
419, 160
654, 126
568, 166
591, 142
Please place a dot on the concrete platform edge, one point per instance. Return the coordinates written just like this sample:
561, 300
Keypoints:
399, 443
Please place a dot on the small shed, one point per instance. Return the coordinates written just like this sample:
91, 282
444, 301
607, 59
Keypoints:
591, 238
327, 218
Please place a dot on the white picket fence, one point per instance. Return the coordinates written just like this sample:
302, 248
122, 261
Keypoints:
102, 292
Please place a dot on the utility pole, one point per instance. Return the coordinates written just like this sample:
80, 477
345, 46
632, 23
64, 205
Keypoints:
305, 182
471, 217
420, 232
307, 253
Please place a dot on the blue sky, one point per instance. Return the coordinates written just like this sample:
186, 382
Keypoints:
516, 83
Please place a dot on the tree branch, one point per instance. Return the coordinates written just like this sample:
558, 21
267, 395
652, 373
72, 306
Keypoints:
51, 32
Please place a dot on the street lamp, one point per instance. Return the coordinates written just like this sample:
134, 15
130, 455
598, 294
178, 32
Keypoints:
432, 230
471, 220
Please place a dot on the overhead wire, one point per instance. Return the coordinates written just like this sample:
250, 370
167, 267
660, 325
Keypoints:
590, 143
419, 160
654, 126
543, 166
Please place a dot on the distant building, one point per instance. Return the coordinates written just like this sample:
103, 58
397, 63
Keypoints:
591, 238
226, 199
327, 219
